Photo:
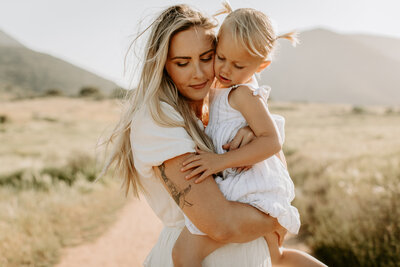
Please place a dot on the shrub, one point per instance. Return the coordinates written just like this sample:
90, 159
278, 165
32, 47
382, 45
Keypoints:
53, 92
4, 118
358, 110
357, 219
118, 93
79, 168
89, 91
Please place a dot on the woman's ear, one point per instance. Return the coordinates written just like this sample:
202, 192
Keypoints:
263, 65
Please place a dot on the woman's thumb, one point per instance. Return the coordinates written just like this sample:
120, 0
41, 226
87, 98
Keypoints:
198, 150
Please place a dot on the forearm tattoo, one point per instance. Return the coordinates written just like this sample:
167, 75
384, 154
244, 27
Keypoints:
177, 194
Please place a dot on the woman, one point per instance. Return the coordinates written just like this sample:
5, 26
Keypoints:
160, 128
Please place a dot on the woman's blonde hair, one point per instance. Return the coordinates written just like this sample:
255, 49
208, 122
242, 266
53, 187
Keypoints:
253, 30
155, 86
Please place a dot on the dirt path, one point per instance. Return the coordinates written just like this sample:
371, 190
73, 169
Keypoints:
126, 243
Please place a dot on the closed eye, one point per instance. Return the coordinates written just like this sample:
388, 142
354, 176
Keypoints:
206, 59
239, 67
182, 64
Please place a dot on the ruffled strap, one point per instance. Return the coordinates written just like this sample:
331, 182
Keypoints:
262, 91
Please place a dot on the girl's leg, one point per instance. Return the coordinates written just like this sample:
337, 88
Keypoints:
190, 250
289, 257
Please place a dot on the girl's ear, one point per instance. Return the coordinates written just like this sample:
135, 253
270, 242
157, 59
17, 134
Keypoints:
263, 65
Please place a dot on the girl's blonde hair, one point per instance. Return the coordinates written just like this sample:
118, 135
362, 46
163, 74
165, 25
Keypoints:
155, 86
253, 30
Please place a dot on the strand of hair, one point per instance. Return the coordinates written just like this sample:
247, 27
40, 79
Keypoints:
291, 36
227, 9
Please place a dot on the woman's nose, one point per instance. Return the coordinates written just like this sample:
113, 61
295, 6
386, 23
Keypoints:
198, 71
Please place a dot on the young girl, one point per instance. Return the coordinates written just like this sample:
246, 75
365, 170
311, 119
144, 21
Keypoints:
245, 43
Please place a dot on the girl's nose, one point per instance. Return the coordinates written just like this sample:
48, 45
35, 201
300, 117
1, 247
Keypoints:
225, 68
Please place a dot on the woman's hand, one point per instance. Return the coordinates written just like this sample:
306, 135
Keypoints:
205, 163
244, 136
281, 232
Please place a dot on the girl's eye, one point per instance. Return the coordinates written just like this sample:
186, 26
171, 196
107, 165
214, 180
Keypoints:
206, 59
220, 58
182, 64
239, 67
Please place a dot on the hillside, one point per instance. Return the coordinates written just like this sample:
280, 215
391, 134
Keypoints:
26, 72
334, 68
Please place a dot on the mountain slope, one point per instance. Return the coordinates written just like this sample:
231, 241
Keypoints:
333, 68
26, 72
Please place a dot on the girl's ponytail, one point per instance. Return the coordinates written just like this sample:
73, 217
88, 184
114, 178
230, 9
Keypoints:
227, 9
291, 36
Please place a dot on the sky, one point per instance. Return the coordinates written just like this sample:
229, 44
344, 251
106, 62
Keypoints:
95, 34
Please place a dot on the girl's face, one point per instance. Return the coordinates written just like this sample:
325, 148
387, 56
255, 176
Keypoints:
190, 62
233, 63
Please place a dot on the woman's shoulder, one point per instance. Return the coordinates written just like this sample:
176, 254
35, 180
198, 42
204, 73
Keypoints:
144, 115
154, 142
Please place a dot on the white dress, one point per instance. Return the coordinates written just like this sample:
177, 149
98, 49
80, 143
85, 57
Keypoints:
267, 184
153, 144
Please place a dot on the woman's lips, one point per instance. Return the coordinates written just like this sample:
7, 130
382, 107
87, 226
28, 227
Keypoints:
199, 86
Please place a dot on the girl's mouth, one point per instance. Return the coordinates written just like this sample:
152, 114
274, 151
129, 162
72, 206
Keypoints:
222, 79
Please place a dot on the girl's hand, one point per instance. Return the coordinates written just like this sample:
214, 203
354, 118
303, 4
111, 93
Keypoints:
244, 136
205, 163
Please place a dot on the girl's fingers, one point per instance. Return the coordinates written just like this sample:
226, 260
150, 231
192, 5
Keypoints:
191, 165
191, 159
235, 143
247, 139
202, 177
240, 169
246, 168
195, 172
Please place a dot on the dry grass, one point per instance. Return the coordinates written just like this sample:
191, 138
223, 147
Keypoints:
36, 224
47, 131
47, 198
345, 162
346, 167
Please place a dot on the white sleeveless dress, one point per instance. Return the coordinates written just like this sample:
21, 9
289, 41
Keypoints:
153, 144
267, 184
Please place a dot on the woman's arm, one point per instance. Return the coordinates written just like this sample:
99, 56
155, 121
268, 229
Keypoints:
222, 220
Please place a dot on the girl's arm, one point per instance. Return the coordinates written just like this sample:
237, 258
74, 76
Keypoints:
256, 113
222, 220
265, 145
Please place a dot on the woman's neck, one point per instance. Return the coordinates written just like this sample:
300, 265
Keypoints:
197, 107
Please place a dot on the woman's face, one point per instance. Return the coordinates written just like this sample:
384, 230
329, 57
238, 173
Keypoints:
190, 62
